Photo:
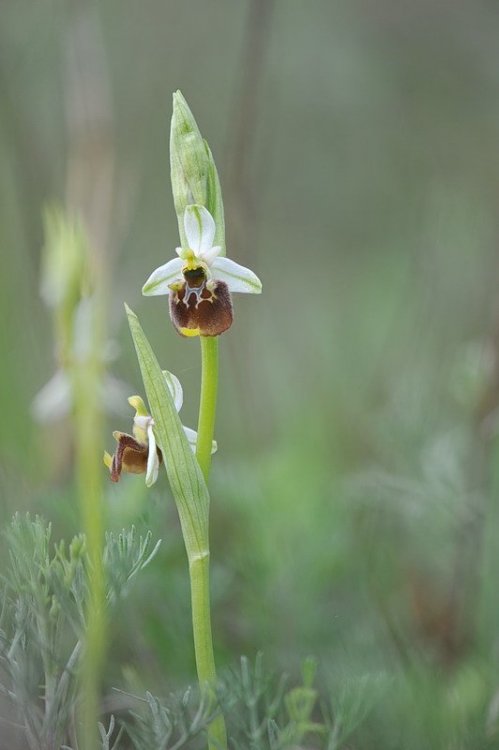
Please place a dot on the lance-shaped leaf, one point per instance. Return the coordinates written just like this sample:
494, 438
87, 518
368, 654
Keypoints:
185, 477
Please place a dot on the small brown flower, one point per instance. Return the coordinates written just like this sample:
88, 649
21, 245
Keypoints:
130, 456
137, 453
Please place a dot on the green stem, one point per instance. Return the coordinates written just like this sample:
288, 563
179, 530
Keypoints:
208, 402
87, 383
199, 564
199, 571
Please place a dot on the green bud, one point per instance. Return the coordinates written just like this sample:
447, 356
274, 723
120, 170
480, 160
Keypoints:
193, 172
188, 159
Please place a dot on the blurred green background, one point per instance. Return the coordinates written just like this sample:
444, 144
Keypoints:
355, 490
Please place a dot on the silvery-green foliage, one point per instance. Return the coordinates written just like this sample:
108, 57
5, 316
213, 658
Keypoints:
42, 617
264, 712
125, 555
106, 735
350, 705
168, 727
110, 740
43, 620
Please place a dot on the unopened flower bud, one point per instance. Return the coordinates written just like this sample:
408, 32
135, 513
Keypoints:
193, 172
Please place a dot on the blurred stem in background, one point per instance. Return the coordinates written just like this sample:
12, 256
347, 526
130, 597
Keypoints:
77, 391
246, 169
87, 378
91, 196
241, 191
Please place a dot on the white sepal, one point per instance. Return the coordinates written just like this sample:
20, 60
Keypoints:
192, 439
199, 227
152, 458
175, 389
161, 278
238, 278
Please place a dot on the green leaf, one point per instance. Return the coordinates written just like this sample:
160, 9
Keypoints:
185, 477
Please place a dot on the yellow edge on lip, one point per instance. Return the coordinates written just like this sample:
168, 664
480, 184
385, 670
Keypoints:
190, 332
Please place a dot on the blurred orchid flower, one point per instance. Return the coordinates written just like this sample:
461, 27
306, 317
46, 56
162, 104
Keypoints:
200, 281
55, 399
138, 453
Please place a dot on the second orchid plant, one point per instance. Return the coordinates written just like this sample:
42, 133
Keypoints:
199, 282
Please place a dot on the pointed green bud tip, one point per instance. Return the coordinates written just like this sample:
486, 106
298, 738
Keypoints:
188, 158
182, 116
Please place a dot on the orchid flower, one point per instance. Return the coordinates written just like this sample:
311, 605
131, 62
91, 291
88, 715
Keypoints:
200, 280
55, 400
138, 453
